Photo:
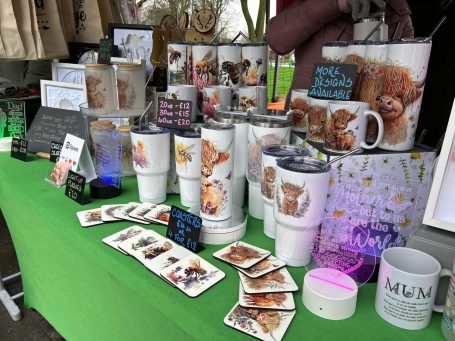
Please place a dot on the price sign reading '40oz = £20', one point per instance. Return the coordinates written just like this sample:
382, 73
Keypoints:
174, 114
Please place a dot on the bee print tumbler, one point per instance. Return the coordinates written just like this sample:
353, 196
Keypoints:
217, 166
301, 187
230, 65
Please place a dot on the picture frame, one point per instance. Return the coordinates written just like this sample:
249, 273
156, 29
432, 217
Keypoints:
84, 53
133, 41
439, 212
68, 73
62, 95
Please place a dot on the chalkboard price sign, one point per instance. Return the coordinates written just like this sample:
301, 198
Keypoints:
19, 149
56, 148
333, 81
184, 228
174, 113
105, 51
75, 185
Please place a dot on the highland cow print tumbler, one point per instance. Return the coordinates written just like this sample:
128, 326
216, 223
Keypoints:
241, 123
184, 92
131, 86
300, 193
404, 81
263, 131
100, 82
269, 156
356, 55
230, 65
254, 64
298, 107
188, 165
177, 64
334, 52
217, 167
151, 162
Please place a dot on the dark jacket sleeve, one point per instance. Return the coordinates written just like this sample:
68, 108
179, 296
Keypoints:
408, 29
297, 23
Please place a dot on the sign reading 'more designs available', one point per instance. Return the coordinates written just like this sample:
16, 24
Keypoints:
333, 81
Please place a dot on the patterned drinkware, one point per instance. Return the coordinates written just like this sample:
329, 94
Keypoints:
131, 86
101, 87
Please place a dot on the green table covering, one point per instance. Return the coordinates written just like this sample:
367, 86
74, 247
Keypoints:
89, 291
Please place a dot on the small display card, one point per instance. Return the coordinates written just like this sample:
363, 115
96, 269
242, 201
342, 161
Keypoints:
333, 81
19, 149
175, 114
184, 228
56, 148
75, 185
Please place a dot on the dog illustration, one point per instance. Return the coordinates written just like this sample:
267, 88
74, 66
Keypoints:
299, 107
211, 198
122, 86
290, 202
336, 135
316, 118
268, 181
211, 157
95, 98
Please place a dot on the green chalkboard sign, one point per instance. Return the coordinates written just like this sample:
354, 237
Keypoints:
12, 119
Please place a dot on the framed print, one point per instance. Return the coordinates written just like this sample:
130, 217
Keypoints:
62, 95
133, 41
440, 210
84, 53
68, 73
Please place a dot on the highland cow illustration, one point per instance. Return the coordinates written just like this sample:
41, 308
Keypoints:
212, 198
95, 98
266, 300
122, 87
389, 90
360, 63
268, 182
274, 279
299, 107
211, 157
336, 136
316, 117
239, 254
291, 194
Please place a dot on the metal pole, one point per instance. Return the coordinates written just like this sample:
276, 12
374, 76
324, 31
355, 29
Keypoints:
275, 75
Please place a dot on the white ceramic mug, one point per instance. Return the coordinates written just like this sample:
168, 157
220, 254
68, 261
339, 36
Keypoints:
184, 92
298, 108
241, 123
346, 126
217, 167
263, 131
301, 188
407, 284
151, 162
268, 174
188, 165
217, 97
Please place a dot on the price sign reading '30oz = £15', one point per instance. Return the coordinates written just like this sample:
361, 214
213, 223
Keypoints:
174, 114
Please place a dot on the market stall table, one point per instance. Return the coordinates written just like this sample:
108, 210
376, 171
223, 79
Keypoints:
89, 291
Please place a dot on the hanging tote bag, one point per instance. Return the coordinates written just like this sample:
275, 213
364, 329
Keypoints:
87, 22
9, 32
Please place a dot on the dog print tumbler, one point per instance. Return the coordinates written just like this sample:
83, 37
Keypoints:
269, 156
300, 193
217, 167
188, 165
241, 123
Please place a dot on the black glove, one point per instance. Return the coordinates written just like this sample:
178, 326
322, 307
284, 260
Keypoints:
361, 8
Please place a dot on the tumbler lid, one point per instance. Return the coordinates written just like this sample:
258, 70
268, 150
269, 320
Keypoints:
218, 126
303, 164
194, 132
281, 150
149, 130
97, 66
266, 121
232, 117
337, 43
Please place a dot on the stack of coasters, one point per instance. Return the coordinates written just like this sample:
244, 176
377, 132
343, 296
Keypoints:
176, 265
136, 212
266, 305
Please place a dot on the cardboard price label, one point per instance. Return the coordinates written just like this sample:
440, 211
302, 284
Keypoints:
75, 185
333, 81
174, 114
19, 149
56, 148
184, 228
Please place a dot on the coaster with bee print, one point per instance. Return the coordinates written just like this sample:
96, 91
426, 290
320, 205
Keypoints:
241, 254
116, 238
107, 212
157, 264
264, 324
263, 267
90, 217
123, 213
148, 253
146, 238
193, 275
159, 214
271, 300
140, 211
275, 281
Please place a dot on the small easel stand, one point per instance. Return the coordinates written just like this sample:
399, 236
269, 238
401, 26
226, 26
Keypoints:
7, 299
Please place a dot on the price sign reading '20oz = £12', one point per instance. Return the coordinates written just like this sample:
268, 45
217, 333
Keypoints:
174, 114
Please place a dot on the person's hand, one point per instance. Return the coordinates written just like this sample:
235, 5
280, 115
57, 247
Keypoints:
361, 8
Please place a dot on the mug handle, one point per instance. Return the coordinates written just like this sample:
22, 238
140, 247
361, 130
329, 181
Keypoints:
444, 273
378, 118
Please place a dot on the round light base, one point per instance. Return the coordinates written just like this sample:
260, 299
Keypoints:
329, 293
